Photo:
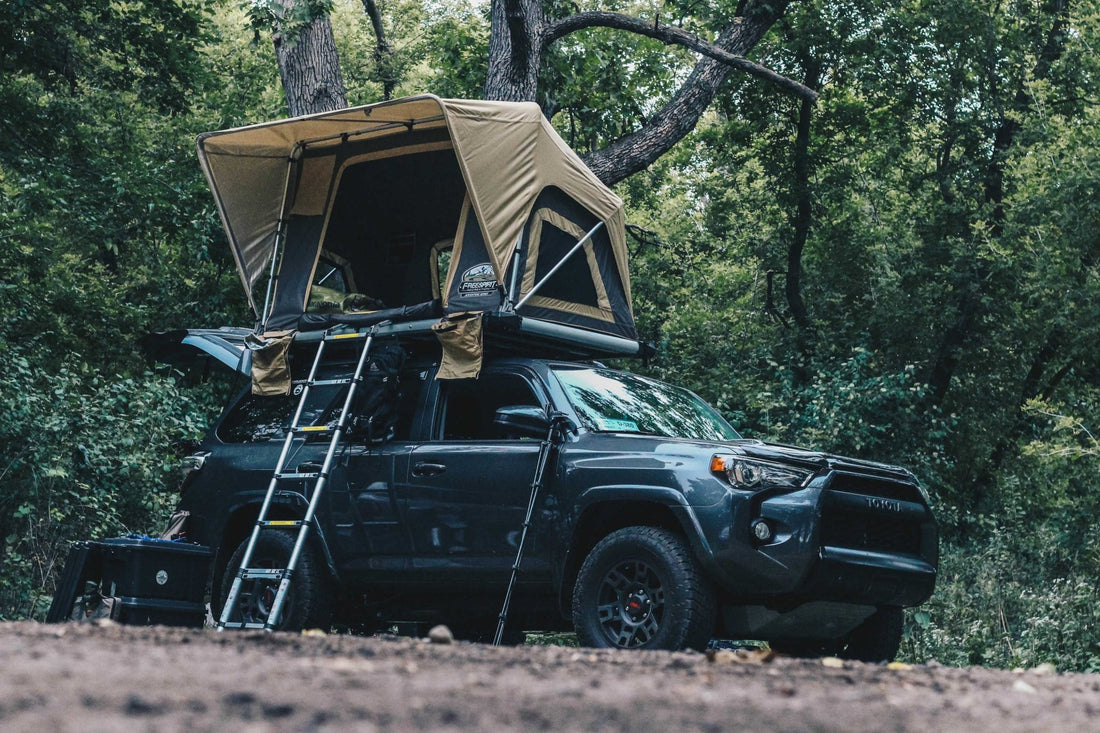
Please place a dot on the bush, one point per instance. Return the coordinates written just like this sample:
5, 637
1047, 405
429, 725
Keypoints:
86, 456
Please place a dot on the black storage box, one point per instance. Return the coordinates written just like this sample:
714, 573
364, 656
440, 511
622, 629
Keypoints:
133, 580
153, 569
148, 611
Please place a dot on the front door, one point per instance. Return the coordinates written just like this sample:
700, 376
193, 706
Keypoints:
469, 484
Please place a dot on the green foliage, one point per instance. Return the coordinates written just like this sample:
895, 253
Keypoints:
949, 272
86, 455
288, 19
106, 233
458, 38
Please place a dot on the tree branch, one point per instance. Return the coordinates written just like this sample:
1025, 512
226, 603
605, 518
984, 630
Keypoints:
671, 35
383, 54
678, 117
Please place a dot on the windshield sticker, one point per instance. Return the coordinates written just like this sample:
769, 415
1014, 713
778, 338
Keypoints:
620, 425
477, 280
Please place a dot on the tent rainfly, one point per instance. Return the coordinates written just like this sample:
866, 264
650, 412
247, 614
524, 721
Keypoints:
478, 205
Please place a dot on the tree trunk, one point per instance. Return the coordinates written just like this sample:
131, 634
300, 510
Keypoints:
515, 50
383, 54
803, 208
310, 69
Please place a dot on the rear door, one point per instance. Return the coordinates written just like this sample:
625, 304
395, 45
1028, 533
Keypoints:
371, 528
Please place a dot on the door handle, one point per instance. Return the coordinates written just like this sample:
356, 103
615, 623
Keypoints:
428, 469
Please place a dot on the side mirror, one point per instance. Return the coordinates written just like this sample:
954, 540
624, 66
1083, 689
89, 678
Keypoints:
522, 420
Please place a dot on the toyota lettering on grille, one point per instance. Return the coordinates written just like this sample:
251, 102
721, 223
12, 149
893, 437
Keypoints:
884, 504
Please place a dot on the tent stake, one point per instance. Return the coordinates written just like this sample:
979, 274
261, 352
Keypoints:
561, 262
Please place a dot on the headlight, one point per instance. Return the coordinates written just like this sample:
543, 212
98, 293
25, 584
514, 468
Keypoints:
752, 474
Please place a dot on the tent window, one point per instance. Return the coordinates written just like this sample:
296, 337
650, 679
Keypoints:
334, 272
440, 264
577, 287
573, 282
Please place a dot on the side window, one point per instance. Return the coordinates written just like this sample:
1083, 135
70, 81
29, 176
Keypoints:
256, 419
469, 406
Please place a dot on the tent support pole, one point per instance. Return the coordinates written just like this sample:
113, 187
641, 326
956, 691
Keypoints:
561, 262
513, 288
280, 234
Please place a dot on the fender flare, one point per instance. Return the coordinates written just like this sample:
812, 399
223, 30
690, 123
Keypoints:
251, 501
671, 499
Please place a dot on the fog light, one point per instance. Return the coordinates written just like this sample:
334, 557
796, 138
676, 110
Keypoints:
761, 530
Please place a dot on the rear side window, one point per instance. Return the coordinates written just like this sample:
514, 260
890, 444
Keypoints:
257, 419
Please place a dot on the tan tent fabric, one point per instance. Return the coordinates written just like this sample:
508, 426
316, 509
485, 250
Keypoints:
507, 151
270, 363
461, 336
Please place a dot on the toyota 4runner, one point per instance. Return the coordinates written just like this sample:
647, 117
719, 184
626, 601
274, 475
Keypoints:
655, 524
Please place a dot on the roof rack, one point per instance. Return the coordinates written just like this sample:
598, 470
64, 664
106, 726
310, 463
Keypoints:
506, 333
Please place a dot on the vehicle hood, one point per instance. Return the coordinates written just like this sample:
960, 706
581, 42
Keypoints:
816, 459
663, 448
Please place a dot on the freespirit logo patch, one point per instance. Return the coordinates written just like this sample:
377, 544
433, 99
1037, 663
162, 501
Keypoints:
477, 280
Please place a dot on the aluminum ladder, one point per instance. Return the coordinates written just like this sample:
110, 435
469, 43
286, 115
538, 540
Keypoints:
284, 575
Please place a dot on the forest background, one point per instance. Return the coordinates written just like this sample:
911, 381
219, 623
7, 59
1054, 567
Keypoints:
905, 270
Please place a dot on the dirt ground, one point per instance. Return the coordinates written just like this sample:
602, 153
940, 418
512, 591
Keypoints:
118, 678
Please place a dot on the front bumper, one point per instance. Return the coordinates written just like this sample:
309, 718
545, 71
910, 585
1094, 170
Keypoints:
846, 537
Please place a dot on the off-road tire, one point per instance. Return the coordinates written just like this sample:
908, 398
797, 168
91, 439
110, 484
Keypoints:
641, 588
308, 604
878, 638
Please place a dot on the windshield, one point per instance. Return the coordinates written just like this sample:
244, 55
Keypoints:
611, 401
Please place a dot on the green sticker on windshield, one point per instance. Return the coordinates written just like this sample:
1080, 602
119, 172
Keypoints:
626, 425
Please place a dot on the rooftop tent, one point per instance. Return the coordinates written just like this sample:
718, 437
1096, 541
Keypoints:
478, 204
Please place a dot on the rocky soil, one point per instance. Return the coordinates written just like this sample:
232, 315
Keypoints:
118, 678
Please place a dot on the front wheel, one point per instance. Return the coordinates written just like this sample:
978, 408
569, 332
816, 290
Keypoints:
308, 604
641, 588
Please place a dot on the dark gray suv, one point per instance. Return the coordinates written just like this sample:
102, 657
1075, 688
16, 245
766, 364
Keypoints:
654, 525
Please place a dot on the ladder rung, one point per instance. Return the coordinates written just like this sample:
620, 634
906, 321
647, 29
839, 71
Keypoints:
239, 625
296, 476
346, 336
280, 523
262, 573
329, 382
314, 429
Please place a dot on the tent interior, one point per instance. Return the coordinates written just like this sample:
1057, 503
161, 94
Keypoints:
390, 222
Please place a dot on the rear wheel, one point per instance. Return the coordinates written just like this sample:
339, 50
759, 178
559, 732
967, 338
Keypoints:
308, 603
641, 588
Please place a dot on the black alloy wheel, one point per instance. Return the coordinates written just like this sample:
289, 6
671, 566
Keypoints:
308, 603
641, 588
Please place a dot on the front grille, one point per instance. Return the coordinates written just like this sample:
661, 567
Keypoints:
854, 483
873, 532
